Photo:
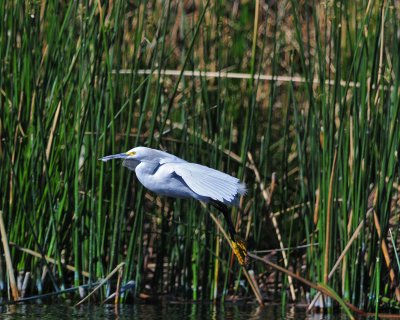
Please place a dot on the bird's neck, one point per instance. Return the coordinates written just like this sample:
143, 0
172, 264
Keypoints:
146, 168
144, 172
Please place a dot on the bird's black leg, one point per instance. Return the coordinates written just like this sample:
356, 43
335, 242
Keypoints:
238, 245
224, 209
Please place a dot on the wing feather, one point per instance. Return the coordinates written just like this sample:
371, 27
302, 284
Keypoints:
211, 183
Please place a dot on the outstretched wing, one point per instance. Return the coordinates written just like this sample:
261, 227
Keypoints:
208, 182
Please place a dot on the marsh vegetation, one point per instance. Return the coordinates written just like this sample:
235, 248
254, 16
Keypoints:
300, 100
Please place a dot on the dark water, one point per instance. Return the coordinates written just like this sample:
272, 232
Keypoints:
158, 311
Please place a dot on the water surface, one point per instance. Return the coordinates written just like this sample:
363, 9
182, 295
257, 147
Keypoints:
169, 311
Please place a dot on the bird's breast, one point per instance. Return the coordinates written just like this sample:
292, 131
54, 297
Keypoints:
145, 172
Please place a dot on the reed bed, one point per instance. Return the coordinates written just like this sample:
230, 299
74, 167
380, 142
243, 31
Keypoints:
311, 126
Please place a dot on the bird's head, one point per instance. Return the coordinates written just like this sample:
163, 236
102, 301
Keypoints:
132, 157
138, 154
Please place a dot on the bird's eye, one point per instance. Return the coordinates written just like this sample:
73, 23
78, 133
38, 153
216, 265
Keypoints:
131, 153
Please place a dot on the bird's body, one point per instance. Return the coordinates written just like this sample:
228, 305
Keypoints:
164, 181
168, 175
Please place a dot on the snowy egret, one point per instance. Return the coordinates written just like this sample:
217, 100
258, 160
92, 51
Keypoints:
168, 175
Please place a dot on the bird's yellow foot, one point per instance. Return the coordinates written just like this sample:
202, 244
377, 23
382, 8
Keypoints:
240, 250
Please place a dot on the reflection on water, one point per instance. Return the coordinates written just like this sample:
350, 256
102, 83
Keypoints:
158, 311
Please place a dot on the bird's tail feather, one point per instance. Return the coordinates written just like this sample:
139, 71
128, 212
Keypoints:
242, 189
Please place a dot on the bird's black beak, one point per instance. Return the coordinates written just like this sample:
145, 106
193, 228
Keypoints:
115, 156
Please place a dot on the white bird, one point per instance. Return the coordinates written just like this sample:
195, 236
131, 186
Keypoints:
168, 175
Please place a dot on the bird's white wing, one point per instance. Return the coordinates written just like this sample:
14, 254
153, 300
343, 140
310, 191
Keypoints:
164, 157
208, 182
